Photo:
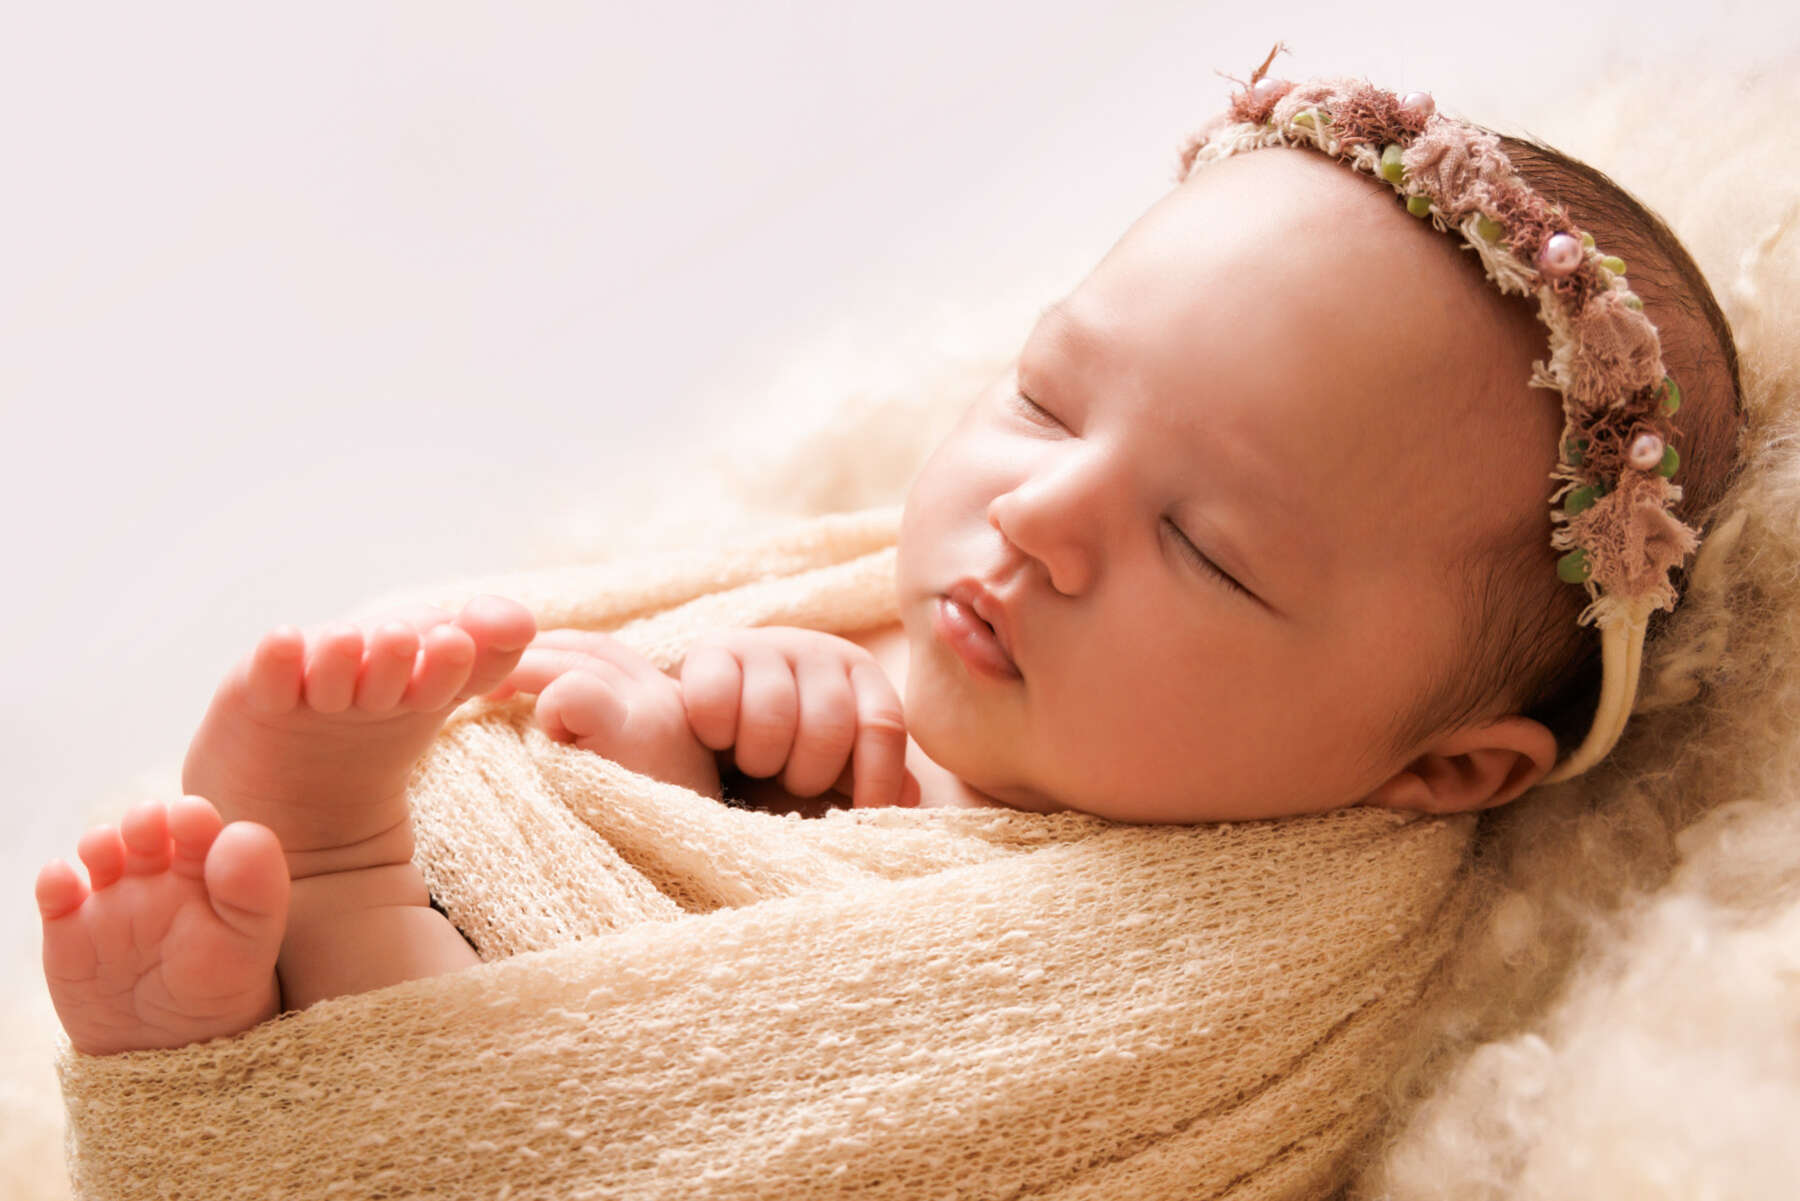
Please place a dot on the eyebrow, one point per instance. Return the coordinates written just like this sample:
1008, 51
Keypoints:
1068, 330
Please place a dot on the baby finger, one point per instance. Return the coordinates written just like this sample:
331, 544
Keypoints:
712, 679
767, 712
598, 645
582, 707
880, 755
826, 728
537, 667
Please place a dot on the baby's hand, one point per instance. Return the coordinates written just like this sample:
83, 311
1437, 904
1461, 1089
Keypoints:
805, 701
603, 696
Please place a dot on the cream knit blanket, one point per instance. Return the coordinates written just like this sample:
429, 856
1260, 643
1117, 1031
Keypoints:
684, 999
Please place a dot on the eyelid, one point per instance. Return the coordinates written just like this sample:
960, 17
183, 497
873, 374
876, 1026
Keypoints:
1039, 415
1205, 564
1033, 410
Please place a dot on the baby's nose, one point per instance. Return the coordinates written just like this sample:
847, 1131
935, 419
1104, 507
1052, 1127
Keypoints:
1046, 529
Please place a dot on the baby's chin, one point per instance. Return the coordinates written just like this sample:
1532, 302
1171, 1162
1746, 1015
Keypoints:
979, 784
955, 729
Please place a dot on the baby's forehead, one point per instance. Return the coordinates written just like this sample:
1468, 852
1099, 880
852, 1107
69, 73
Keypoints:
1300, 308
1287, 247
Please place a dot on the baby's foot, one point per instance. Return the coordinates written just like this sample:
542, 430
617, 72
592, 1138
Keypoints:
176, 941
315, 736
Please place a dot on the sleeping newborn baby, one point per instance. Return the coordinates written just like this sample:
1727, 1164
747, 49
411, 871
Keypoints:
1255, 526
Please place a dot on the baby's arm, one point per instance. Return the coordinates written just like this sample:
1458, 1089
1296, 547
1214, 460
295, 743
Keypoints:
810, 706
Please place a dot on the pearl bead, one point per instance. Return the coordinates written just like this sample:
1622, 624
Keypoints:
1560, 256
1646, 452
1268, 90
1419, 105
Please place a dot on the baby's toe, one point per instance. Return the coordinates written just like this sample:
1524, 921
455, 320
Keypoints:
276, 671
332, 663
60, 891
145, 833
501, 630
446, 653
103, 854
387, 666
247, 881
193, 825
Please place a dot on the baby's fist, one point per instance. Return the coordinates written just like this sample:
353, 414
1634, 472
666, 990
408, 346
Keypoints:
812, 706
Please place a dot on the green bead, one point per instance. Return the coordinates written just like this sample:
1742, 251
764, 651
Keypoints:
1391, 168
1671, 400
1671, 462
1587, 241
1573, 567
1614, 264
1419, 206
1488, 228
1580, 500
1634, 304
1304, 120
1572, 451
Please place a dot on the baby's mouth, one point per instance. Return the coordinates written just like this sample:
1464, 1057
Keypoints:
975, 640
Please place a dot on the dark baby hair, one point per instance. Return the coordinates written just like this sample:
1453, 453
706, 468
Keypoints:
1525, 651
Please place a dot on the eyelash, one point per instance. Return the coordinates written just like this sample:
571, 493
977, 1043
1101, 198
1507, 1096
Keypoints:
1042, 416
1202, 562
1035, 411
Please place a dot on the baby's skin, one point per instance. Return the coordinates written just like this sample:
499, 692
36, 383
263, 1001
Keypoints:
286, 876
1186, 561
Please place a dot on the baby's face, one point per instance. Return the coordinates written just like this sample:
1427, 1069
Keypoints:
1281, 367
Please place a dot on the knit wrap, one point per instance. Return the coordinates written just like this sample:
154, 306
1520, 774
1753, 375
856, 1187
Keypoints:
682, 999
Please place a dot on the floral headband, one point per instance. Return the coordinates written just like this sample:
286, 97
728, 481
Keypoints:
1611, 505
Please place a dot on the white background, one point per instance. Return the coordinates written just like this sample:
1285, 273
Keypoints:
301, 303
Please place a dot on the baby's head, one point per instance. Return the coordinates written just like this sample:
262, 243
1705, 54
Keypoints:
1263, 511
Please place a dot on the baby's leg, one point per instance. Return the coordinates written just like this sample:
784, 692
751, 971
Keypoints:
187, 932
315, 738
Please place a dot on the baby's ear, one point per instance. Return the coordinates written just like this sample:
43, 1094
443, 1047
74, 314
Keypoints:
1476, 767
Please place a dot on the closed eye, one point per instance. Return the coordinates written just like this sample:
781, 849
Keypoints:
1038, 415
1033, 411
1192, 553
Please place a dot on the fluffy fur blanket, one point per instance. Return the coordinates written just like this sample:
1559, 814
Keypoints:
685, 999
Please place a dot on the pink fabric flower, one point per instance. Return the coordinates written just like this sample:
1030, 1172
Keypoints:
1617, 351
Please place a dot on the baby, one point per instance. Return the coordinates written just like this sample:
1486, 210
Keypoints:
1269, 486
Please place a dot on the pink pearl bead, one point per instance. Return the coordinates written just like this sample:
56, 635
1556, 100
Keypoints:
1268, 90
1646, 452
1560, 256
1418, 104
